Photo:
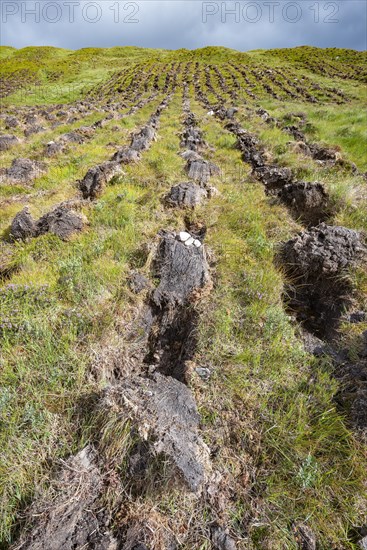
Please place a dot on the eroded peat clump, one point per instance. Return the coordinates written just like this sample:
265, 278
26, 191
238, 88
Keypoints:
62, 221
319, 293
317, 260
22, 171
308, 202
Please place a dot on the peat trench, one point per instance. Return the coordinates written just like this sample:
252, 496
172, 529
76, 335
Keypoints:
324, 155
24, 170
329, 156
33, 122
297, 90
152, 399
64, 219
318, 291
31, 119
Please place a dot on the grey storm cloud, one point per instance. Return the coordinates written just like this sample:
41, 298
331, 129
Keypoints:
172, 24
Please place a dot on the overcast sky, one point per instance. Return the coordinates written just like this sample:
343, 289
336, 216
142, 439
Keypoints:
172, 24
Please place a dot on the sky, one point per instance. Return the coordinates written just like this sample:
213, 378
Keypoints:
173, 24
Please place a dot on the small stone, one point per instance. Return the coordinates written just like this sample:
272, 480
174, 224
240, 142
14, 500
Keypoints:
197, 243
184, 236
189, 241
203, 372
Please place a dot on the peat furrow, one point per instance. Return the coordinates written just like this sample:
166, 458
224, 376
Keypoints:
93, 183
210, 87
236, 86
40, 120
62, 220
318, 291
323, 155
269, 74
172, 339
307, 202
191, 193
7, 141
222, 83
153, 389
296, 88
229, 92
334, 94
149, 399
123, 84
23, 171
248, 82
302, 91
82, 134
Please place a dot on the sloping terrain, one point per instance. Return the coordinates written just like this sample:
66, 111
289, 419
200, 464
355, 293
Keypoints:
183, 316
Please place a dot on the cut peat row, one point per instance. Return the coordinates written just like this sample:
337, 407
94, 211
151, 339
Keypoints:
82, 134
190, 194
43, 120
32, 120
77, 136
24, 171
63, 220
316, 263
250, 85
160, 377
283, 88
306, 201
150, 399
97, 177
181, 265
323, 155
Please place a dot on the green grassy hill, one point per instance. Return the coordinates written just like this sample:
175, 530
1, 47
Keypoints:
260, 362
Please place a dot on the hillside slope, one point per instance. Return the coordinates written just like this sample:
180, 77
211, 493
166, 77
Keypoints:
183, 299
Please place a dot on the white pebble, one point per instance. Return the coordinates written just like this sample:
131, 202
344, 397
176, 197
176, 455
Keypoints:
189, 241
197, 243
184, 236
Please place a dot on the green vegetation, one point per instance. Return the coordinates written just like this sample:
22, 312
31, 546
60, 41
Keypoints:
286, 452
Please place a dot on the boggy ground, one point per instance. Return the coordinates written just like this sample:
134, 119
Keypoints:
186, 366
